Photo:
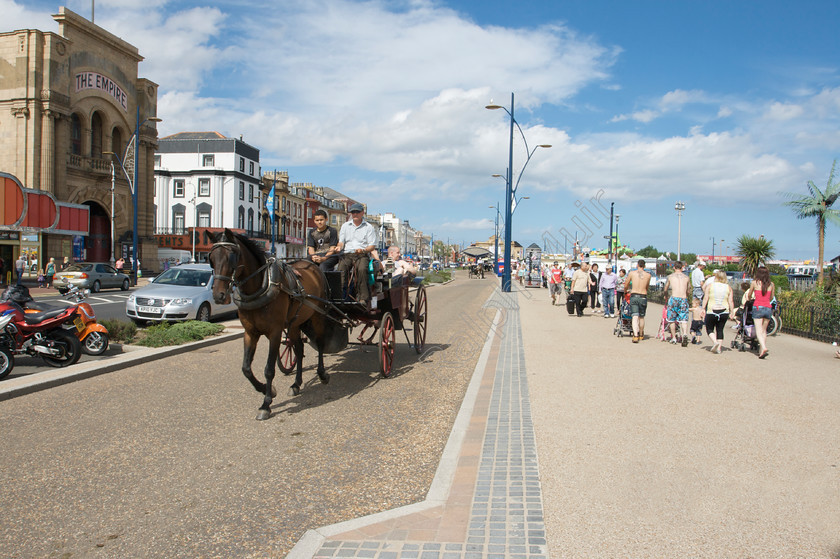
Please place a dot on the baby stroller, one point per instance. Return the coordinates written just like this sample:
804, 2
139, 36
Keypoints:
745, 330
624, 323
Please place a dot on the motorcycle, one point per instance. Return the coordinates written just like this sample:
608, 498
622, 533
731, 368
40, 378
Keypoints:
7, 360
94, 337
43, 334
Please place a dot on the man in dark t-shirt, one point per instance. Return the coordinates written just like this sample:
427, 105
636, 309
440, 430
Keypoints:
322, 242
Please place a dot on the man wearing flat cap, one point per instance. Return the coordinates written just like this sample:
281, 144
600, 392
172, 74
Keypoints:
356, 240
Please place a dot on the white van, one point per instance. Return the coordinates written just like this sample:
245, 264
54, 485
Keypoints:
173, 257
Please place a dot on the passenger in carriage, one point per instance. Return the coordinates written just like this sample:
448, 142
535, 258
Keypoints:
403, 270
356, 241
322, 243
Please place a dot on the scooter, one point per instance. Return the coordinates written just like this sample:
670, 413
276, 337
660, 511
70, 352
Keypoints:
94, 336
44, 334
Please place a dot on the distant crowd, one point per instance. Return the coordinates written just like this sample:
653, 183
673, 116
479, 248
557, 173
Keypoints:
696, 302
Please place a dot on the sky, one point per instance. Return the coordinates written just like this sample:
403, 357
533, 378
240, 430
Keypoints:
722, 105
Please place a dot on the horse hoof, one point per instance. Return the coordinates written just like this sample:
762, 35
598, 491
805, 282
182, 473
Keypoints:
262, 415
325, 378
294, 390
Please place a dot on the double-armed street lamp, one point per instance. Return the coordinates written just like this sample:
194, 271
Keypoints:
680, 207
510, 187
131, 151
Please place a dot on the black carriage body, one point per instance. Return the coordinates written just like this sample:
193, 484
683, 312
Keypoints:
391, 296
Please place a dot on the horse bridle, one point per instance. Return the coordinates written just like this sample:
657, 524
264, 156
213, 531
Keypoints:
235, 251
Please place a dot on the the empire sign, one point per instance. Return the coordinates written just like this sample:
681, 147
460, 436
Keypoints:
94, 80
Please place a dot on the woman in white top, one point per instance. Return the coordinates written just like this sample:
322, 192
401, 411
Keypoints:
718, 298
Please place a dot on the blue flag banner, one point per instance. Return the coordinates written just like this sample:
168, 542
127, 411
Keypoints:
269, 203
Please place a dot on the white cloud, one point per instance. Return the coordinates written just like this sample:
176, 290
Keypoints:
17, 17
639, 116
784, 111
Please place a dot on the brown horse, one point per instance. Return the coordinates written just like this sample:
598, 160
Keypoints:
273, 298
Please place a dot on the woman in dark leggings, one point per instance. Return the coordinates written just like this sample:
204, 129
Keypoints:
719, 304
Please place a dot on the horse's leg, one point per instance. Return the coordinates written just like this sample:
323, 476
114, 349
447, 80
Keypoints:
273, 351
322, 372
250, 342
294, 390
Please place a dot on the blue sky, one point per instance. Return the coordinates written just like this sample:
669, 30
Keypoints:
719, 104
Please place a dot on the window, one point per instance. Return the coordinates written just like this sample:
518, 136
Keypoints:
242, 164
208, 160
157, 160
250, 192
178, 224
204, 218
250, 220
178, 188
96, 135
251, 166
241, 190
204, 187
240, 222
76, 135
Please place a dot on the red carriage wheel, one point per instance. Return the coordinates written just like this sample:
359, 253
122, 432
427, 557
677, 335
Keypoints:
420, 319
387, 342
287, 361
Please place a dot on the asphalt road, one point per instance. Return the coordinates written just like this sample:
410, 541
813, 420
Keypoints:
166, 459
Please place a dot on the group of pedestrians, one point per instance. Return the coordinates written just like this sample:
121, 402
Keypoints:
695, 301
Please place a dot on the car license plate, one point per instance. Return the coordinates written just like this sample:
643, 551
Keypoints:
151, 310
79, 324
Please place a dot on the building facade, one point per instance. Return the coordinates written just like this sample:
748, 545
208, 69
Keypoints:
205, 181
66, 100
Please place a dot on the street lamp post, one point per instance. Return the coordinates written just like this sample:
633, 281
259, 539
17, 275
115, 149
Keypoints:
617, 239
722, 262
113, 229
680, 207
510, 188
132, 181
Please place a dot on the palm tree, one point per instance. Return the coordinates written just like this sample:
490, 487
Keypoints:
753, 252
818, 205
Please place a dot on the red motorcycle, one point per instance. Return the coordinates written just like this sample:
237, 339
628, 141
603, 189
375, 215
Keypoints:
94, 336
50, 334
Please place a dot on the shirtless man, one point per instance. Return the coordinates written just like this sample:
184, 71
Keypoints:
678, 303
637, 283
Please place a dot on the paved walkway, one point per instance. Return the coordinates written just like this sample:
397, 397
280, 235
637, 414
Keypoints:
722, 456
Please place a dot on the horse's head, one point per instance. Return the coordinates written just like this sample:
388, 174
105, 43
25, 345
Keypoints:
224, 258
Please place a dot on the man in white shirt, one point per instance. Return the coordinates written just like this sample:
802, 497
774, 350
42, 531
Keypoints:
356, 240
697, 278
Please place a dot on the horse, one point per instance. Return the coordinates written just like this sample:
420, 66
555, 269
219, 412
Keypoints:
273, 298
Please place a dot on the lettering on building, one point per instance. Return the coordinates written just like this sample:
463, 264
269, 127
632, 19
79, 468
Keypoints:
94, 80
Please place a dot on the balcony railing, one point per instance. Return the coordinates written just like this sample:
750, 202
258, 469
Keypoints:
89, 164
187, 230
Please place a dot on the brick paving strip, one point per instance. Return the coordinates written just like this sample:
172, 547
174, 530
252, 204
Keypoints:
485, 500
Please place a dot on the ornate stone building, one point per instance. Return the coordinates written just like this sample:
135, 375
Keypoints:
66, 99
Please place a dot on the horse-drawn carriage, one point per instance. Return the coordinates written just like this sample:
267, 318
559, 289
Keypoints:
284, 300
400, 305
476, 271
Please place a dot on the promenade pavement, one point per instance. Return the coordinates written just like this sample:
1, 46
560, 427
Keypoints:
572, 442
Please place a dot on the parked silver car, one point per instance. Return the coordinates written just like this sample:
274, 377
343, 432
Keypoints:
90, 275
184, 292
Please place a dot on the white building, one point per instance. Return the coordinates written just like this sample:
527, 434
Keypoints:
401, 233
206, 180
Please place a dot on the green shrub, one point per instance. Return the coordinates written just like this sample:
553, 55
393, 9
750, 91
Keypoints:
439, 276
164, 334
122, 331
782, 283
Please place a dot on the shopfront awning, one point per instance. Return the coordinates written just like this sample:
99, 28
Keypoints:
26, 209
